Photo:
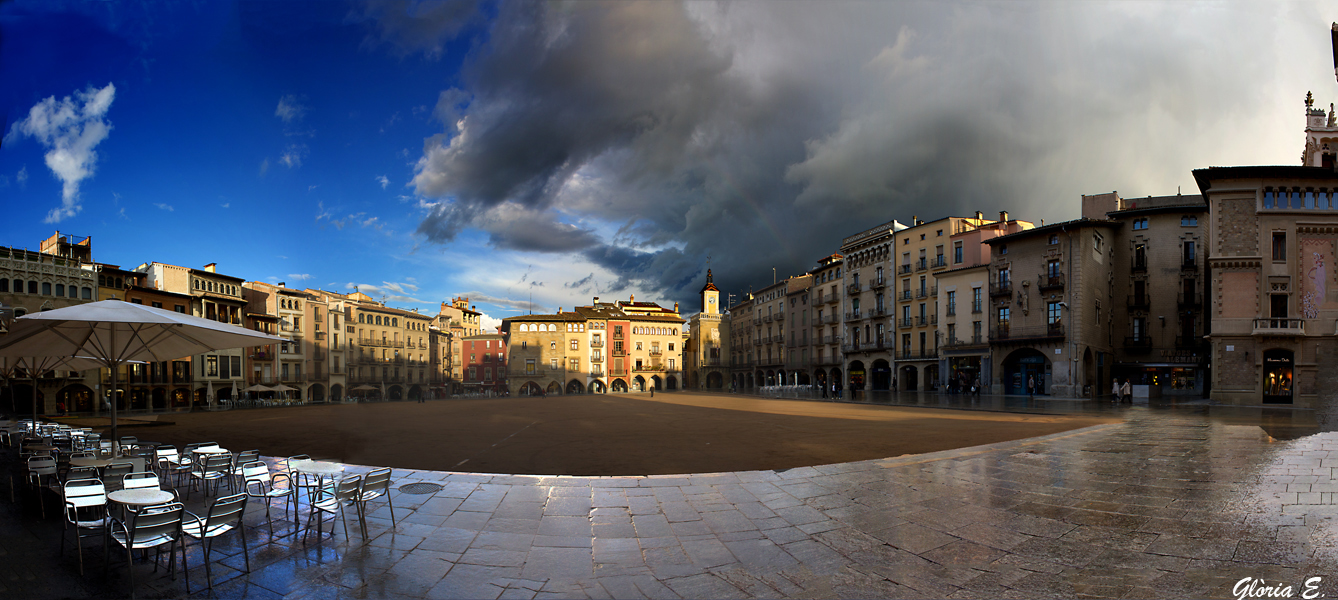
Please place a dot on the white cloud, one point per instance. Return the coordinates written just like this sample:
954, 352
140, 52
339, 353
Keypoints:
290, 109
292, 157
387, 291
381, 179
299, 276
166, 207
264, 167
70, 128
226, 204
22, 175
489, 323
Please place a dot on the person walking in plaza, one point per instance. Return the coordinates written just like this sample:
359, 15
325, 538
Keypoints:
975, 389
1115, 391
1127, 392
1031, 386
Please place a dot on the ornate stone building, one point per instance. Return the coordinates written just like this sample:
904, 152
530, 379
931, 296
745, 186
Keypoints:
707, 351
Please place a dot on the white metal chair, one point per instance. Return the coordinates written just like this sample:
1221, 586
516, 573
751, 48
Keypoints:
260, 484
375, 484
152, 527
303, 481
214, 469
85, 510
40, 467
113, 474
241, 459
224, 515
345, 492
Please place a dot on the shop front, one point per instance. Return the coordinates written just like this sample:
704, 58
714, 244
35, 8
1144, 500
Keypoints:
1278, 376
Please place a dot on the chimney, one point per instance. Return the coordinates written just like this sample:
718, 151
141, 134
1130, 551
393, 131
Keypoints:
211, 267
1003, 216
596, 301
980, 216
675, 307
631, 299
915, 220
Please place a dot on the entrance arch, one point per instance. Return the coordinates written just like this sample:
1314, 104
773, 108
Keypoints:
714, 381
596, 387
159, 399
554, 389
530, 389
1278, 376
415, 393
835, 379
856, 375
1089, 375
619, 386
575, 387
671, 382
316, 392
656, 383
638, 384
180, 398
931, 377
77, 398
336, 392
396, 393
908, 378
881, 378
1024, 364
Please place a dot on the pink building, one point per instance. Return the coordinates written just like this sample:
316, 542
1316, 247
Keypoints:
483, 359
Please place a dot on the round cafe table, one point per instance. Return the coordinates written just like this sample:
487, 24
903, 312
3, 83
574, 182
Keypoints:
319, 469
140, 497
90, 462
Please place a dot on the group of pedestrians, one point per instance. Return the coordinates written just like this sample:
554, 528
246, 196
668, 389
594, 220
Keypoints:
1121, 392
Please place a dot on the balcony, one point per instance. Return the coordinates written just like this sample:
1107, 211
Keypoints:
1139, 302
877, 311
1050, 282
921, 321
952, 309
1140, 265
904, 269
374, 343
962, 344
933, 292
868, 346
766, 319
650, 368
975, 308
597, 344
1004, 288
780, 316
1189, 265
921, 264
905, 295
656, 352
904, 323
1191, 300
757, 320
827, 339
757, 341
922, 293
1287, 327
1138, 343
596, 358
853, 288
827, 360
853, 315
830, 319
320, 335
1005, 333
1191, 341
939, 261
877, 284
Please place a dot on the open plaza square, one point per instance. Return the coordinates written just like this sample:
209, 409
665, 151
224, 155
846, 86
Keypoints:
1091, 500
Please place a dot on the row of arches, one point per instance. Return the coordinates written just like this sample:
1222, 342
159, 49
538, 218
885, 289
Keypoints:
617, 385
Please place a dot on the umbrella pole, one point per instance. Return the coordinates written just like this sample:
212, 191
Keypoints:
114, 366
34, 380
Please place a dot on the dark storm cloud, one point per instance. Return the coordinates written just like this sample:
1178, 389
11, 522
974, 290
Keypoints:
760, 134
414, 26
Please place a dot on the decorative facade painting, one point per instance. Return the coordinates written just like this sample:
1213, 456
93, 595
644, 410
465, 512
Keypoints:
1315, 260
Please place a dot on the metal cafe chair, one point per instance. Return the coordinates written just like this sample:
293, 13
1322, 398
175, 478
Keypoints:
152, 527
375, 484
346, 492
85, 510
112, 475
40, 467
224, 515
260, 484
214, 469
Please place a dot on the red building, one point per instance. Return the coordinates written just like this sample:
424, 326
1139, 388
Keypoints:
483, 359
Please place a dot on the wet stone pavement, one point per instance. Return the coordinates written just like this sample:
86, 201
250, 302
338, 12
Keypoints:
1165, 504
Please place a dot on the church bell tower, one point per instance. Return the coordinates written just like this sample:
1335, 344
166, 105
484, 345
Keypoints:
710, 297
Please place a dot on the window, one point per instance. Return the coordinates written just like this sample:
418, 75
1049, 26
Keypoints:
1189, 253
1140, 224
1189, 221
1054, 239
1279, 246
1003, 248
60, 289
157, 304
638, 345
952, 303
1051, 313
1004, 314
671, 346
473, 373
1097, 241
975, 300
46, 289
957, 253
552, 345
1140, 327
136, 301
574, 364
211, 366
552, 364
1052, 269
529, 366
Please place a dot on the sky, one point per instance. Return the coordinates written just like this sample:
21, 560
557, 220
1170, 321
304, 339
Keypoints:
535, 155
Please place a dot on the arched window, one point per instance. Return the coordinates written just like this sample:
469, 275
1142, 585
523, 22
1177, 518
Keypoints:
88, 293
360, 317
394, 322
18, 286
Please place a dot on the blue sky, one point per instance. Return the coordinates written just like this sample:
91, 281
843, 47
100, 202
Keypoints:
554, 152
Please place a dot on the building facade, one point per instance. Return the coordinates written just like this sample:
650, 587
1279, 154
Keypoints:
869, 306
706, 351
825, 324
217, 297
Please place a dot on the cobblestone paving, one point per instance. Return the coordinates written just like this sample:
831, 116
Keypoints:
1161, 505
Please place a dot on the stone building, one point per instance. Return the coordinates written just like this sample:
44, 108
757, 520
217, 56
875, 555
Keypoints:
768, 339
796, 330
963, 331
869, 306
217, 297
1050, 296
706, 350
743, 346
1158, 270
826, 323
1273, 287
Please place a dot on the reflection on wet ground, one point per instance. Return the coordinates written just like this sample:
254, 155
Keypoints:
1170, 502
1280, 422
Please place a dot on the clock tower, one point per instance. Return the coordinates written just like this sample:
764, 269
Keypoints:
710, 297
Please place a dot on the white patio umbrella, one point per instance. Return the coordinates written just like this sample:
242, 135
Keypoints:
113, 333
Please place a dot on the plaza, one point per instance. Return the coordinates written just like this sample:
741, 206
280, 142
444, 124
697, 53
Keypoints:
1158, 501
